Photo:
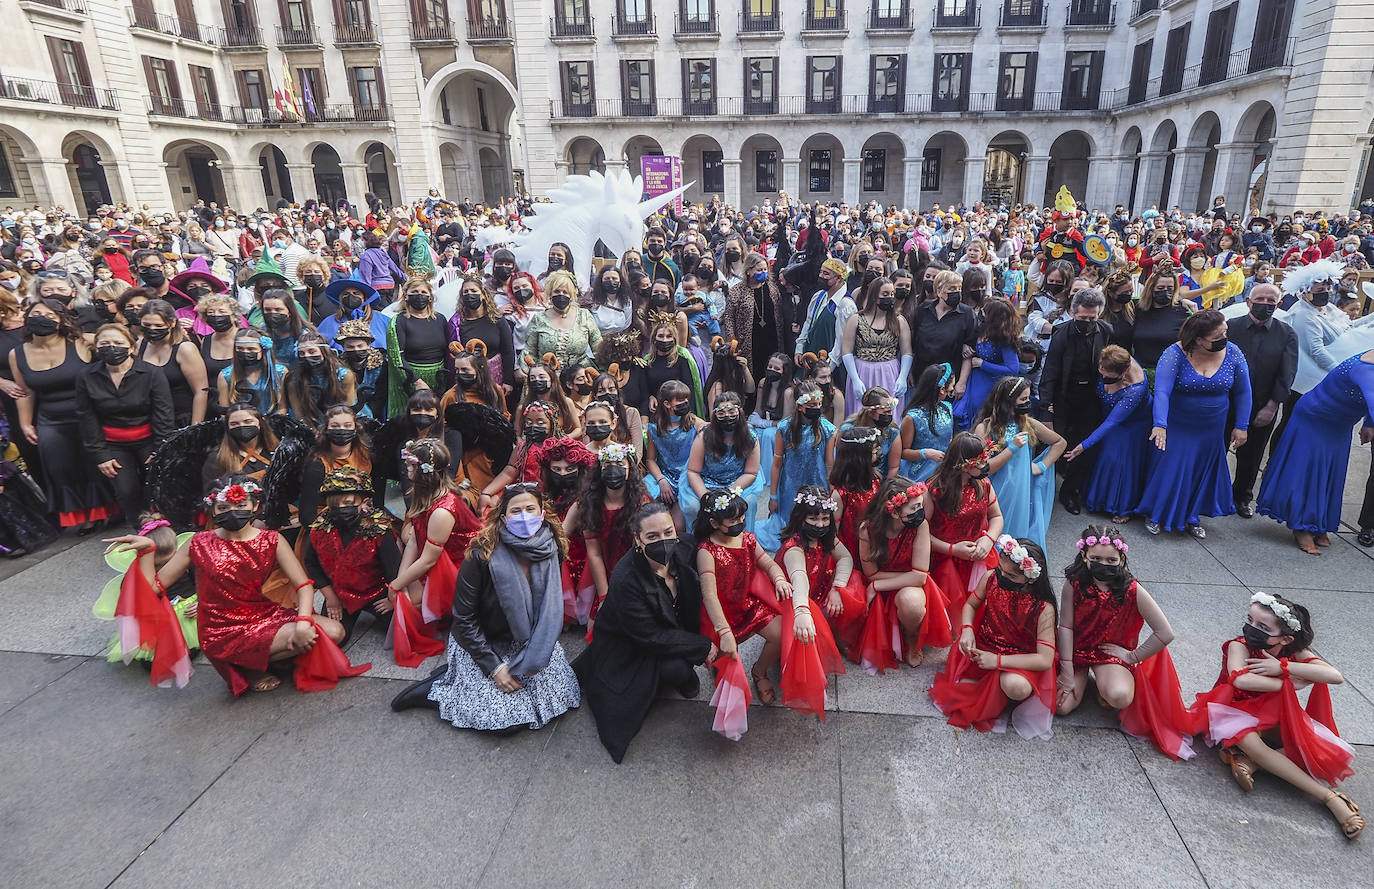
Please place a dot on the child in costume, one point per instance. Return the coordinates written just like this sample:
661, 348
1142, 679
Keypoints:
181, 595
800, 457
854, 479
611, 493
965, 519
820, 567
672, 430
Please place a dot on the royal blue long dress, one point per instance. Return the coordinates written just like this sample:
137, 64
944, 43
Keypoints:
1118, 475
1190, 477
922, 437
802, 465
998, 362
1305, 481
1026, 499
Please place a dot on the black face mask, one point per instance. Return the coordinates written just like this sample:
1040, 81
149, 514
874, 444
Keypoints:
314, 282
1262, 311
152, 277
611, 287
814, 532
1054, 288
112, 354
599, 432
732, 256
471, 301
902, 292
1162, 298
981, 473
1255, 637
245, 434
611, 398
540, 387
861, 261
420, 301
734, 529
870, 277
1122, 297
1006, 583
614, 477
886, 303
535, 434
953, 299
1083, 328
246, 360
314, 362
198, 293
915, 519
655, 250
663, 348
340, 436
928, 286
882, 421
523, 295
1218, 346
351, 301
276, 320
811, 413
131, 315
1321, 297
234, 519
423, 421
41, 326
772, 376
563, 481
501, 274
727, 424
156, 334
659, 551
560, 301
357, 359
1108, 574
658, 300
219, 323
682, 410
467, 380
1110, 381
555, 263
346, 516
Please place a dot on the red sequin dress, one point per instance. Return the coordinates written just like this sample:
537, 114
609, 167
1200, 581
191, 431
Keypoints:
1309, 735
236, 623
957, 577
442, 579
855, 505
614, 545
883, 643
1156, 711
820, 572
738, 583
1005, 624
575, 608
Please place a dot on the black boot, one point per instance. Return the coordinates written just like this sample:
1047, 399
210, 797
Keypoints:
416, 695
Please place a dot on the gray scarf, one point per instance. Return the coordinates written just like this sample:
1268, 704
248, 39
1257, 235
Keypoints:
533, 605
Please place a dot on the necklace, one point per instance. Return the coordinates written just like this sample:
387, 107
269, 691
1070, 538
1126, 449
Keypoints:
758, 306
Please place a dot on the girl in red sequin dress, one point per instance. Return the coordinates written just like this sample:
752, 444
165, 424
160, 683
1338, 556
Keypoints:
854, 478
441, 525
241, 631
820, 567
906, 608
611, 493
1254, 713
1101, 611
563, 464
1005, 653
740, 585
965, 520
535, 423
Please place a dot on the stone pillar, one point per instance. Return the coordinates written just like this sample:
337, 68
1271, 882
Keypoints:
302, 182
1036, 172
614, 164
911, 182
52, 184
732, 184
791, 176
1187, 183
1151, 182
355, 184
1102, 192
242, 185
973, 179
853, 168
1124, 167
1232, 176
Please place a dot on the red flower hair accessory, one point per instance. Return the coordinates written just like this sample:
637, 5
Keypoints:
902, 498
989, 451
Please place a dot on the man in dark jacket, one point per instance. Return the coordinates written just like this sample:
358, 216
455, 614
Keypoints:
646, 637
1069, 385
1270, 348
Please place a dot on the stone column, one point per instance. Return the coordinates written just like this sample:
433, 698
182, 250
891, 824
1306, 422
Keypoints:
1232, 176
302, 181
911, 182
1103, 178
355, 184
732, 184
1188, 179
1151, 182
973, 179
1036, 172
853, 167
52, 184
791, 176
242, 185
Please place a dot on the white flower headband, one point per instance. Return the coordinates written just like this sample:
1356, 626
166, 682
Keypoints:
1281, 611
808, 398
809, 499
1007, 545
407, 456
723, 499
613, 452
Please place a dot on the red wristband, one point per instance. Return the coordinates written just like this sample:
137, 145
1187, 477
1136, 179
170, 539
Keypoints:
1283, 666
999, 662
301, 586
302, 617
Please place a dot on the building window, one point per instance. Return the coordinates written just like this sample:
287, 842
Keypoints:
887, 83
713, 172
823, 84
874, 169
367, 88
356, 14
634, 12
818, 170
954, 13
637, 78
699, 85
1140, 71
1016, 81
1082, 80
765, 171
207, 97
951, 82
297, 18
761, 86
930, 170
161, 83
578, 97
1171, 79
252, 92
8, 188
1216, 49
312, 93
71, 65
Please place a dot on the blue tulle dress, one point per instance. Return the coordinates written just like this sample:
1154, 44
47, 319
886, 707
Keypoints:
673, 447
1304, 483
921, 438
1118, 475
1026, 499
998, 362
721, 472
802, 465
1190, 477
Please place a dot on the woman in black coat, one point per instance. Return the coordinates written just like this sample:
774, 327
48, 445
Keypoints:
646, 634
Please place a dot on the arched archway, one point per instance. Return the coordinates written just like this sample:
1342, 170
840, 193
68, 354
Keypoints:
1163, 142
822, 170
882, 171
585, 154
16, 149
1070, 157
761, 163
475, 110
1004, 169
381, 173
276, 179
703, 162
1257, 128
330, 187
1130, 147
193, 172
87, 156
1196, 188
636, 148
942, 169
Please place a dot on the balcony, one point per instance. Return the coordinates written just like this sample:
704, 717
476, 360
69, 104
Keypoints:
641, 108
161, 106
882, 17
355, 34
699, 107
298, 38
1269, 56
1142, 8
489, 30
432, 33
639, 28
48, 92
1091, 14
889, 104
955, 16
831, 105
68, 5
1021, 17
686, 28
751, 25
761, 106
857, 107
562, 30
71, 11
242, 38
830, 22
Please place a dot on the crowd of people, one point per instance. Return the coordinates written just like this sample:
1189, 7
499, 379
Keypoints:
837, 428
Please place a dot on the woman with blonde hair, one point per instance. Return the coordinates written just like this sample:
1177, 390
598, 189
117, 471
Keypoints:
565, 328
313, 273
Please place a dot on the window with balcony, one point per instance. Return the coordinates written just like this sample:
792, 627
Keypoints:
579, 96
312, 92
956, 13
1016, 81
1140, 72
1216, 49
1171, 80
637, 85
369, 100
818, 170
353, 22
162, 85
1082, 80
696, 17
295, 22
240, 24
1090, 13
824, 15
187, 25
887, 83
1269, 47
713, 171
765, 171
572, 19
761, 86
891, 15
951, 81
699, 86
874, 170
1023, 13
487, 19
822, 84
760, 15
930, 170
72, 72
207, 96
429, 20
634, 17
252, 90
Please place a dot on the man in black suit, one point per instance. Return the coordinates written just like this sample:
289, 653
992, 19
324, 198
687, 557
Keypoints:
1270, 348
1068, 385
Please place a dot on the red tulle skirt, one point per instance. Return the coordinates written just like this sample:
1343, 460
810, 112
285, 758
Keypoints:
981, 702
847, 625
410, 642
321, 668
957, 578
1157, 713
805, 665
436, 602
882, 643
147, 622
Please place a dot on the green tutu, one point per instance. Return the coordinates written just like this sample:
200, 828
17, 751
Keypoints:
104, 607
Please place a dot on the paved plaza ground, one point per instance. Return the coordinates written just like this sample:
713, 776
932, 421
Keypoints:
109, 783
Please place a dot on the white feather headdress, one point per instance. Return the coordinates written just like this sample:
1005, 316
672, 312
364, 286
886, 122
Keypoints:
1301, 279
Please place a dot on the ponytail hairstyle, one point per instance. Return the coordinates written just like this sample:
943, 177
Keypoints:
662, 417
475, 356
154, 526
431, 481
811, 500
1077, 573
853, 468
720, 504
947, 483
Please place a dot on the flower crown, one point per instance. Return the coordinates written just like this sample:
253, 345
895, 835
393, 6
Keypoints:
860, 434
1280, 610
1009, 547
614, 452
807, 498
1117, 542
902, 498
724, 498
597, 402
425, 468
988, 452
808, 398
235, 493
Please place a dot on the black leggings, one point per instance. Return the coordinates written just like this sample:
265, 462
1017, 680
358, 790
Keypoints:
127, 483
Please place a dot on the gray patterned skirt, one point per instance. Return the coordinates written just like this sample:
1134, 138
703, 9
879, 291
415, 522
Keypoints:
468, 699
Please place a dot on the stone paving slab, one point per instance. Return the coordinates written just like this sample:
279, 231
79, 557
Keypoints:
23, 674
47, 607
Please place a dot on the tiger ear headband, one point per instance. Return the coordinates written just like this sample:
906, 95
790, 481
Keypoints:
475, 347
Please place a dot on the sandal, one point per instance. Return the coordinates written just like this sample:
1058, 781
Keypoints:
266, 683
1322, 540
768, 692
915, 656
1306, 543
1352, 825
1120, 519
1242, 767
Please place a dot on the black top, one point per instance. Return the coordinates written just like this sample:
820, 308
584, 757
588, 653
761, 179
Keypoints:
477, 616
142, 397
182, 396
1154, 331
422, 340
645, 381
1271, 350
938, 340
54, 389
1070, 375
213, 367
498, 338
10, 339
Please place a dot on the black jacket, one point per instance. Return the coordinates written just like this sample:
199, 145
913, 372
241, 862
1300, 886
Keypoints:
1055, 381
143, 398
639, 626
